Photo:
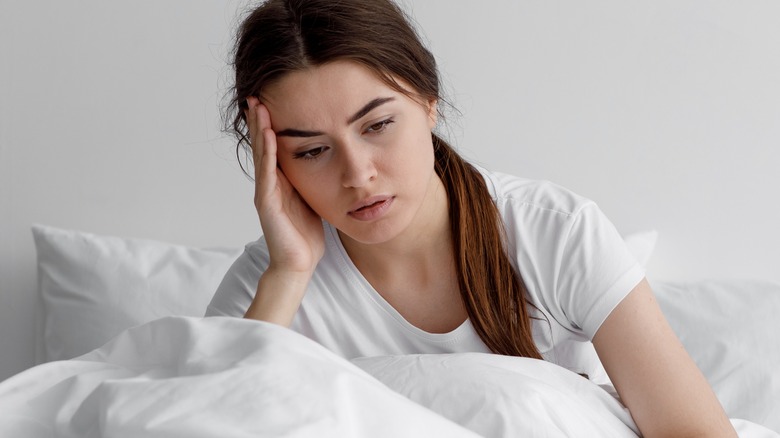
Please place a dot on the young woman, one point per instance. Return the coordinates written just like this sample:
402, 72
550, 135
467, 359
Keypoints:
379, 239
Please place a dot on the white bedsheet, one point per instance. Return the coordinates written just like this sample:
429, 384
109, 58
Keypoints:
225, 377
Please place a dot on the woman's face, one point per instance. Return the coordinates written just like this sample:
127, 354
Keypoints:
357, 151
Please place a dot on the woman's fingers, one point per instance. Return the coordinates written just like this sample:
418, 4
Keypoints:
253, 123
263, 143
268, 157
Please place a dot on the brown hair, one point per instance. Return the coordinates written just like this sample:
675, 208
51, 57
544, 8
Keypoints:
282, 36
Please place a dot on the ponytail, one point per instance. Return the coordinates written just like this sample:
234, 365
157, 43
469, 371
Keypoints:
492, 291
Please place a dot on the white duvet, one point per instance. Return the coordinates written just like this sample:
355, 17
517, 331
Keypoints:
227, 377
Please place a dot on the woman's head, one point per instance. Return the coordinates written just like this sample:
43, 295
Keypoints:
284, 36
316, 63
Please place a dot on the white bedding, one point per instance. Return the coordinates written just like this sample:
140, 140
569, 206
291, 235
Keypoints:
217, 377
193, 377
187, 377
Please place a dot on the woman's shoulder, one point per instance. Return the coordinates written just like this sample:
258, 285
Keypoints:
515, 191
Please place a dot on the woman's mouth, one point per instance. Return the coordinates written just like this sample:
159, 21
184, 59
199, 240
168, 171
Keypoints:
372, 208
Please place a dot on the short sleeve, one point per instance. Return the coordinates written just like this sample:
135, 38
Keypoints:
596, 270
239, 285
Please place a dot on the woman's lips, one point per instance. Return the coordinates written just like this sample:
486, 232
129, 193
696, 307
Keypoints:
372, 208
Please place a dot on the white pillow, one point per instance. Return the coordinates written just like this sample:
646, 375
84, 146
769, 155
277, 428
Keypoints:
731, 330
93, 287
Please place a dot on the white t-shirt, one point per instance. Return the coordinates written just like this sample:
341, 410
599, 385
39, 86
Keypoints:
574, 263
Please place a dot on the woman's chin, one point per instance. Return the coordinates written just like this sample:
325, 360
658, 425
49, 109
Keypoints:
369, 233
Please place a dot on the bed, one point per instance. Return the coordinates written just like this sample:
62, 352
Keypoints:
127, 353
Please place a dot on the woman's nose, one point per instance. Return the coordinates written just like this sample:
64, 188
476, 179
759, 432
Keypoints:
358, 165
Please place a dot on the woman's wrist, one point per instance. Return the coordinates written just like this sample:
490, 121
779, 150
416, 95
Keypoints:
279, 295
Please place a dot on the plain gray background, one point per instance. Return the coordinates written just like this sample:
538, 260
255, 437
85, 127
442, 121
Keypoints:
667, 113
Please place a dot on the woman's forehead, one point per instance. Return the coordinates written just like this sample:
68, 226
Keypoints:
333, 90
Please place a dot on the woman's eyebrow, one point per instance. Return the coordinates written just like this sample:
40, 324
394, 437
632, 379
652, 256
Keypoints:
360, 113
368, 107
298, 133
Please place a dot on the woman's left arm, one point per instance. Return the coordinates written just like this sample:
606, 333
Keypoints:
655, 377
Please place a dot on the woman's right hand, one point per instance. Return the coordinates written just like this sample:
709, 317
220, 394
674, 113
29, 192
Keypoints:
292, 230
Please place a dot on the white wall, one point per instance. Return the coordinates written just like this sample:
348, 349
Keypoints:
110, 125
666, 113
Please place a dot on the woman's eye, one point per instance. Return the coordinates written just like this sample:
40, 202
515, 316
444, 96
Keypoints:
311, 153
379, 127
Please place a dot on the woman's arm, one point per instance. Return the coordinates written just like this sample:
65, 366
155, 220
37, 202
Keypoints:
293, 231
655, 377
278, 297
